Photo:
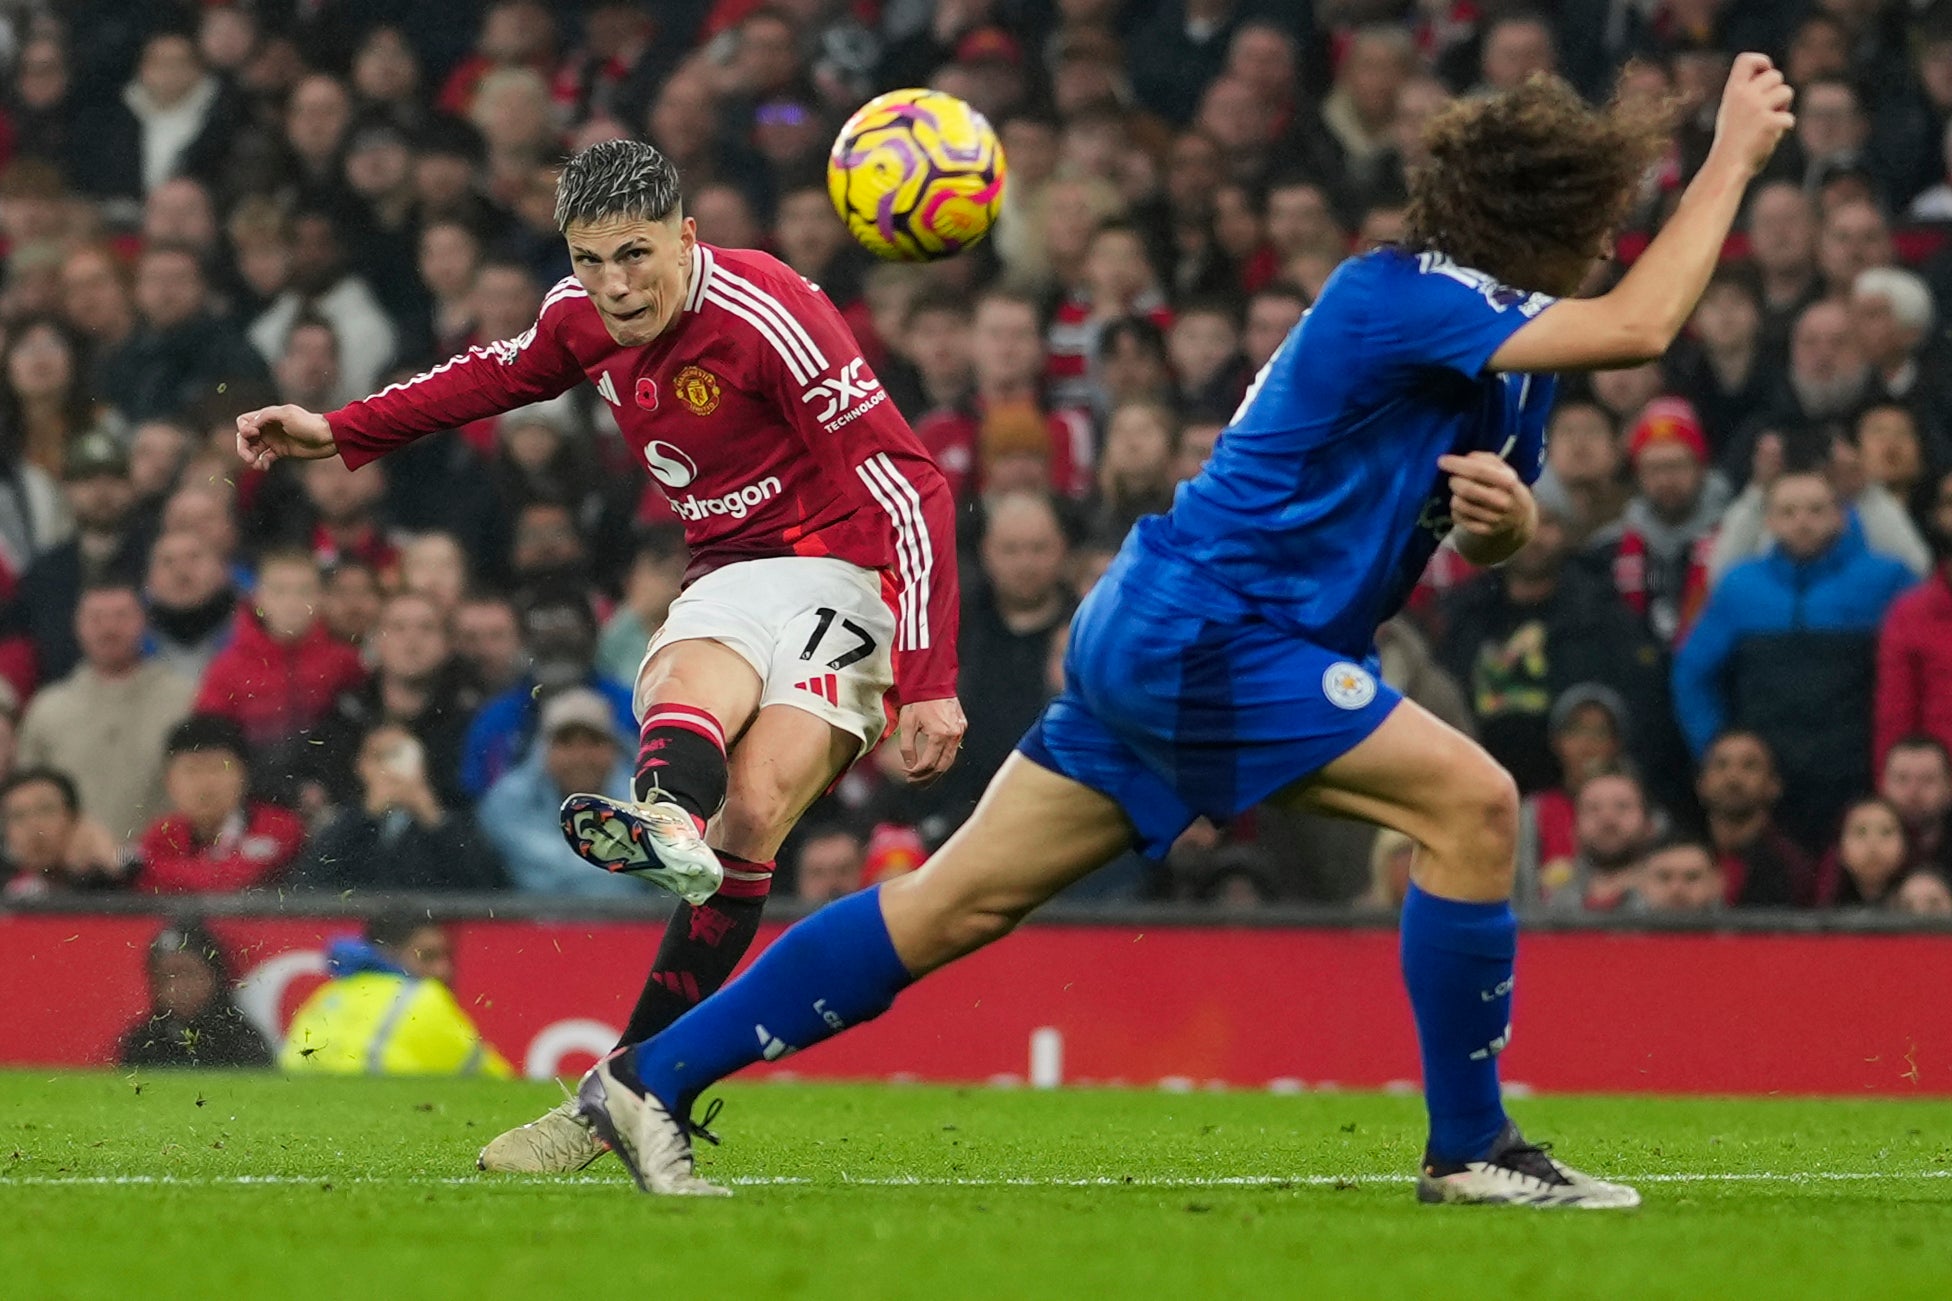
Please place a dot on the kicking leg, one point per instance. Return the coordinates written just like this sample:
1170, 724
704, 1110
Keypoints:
692, 697
1421, 777
844, 965
778, 768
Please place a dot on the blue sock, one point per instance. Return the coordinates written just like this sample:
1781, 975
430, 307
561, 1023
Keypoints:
833, 970
1457, 961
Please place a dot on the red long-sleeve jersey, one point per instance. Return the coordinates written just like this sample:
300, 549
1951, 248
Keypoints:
755, 413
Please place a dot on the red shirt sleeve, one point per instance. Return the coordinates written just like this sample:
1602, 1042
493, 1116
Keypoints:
483, 381
841, 410
1900, 687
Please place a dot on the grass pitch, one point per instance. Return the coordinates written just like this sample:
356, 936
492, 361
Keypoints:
207, 1185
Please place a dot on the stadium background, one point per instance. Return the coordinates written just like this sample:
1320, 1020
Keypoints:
207, 207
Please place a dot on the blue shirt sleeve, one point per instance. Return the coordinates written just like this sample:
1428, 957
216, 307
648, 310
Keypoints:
1449, 316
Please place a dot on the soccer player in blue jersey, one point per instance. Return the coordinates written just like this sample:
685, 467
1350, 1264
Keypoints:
1227, 658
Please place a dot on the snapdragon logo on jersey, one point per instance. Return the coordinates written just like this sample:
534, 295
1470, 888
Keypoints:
846, 397
670, 466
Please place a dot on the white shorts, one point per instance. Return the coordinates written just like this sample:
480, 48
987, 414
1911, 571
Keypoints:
818, 631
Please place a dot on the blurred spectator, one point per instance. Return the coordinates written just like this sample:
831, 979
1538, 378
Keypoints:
45, 404
107, 544
191, 1020
1611, 825
172, 118
1009, 618
1007, 360
449, 259
1722, 366
1677, 876
98, 303
1853, 238
1891, 447
488, 638
181, 348
397, 833
1135, 472
322, 286
1116, 281
41, 110
1739, 791
1782, 229
1785, 647
1923, 893
830, 864
1587, 729
105, 723
282, 669
342, 516
307, 371
579, 749
1360, 110
213, 838
1130, 366
1891, 316
416, 684
158, 451
1917, 782
1523, 633
1515, 47
1914, 646
387, 1009
1874, 514
192, 603
931, 371
434, 566
657, 572
1657, 553
1935, 204
1868, 859
1582, 483
51, 847
1272, 313
349, 600
1210, 372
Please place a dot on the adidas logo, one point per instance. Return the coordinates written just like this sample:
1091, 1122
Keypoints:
827, 687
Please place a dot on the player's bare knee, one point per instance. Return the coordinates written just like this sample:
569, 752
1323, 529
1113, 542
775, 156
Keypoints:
1475, 823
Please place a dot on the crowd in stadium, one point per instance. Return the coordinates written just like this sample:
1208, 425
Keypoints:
1721, 673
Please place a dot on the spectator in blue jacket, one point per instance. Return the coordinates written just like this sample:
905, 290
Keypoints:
1786, 648
580, 750
560, 635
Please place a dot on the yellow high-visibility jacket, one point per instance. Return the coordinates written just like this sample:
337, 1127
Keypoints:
379, 1023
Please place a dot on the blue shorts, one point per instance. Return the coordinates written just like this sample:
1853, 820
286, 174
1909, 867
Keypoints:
1180, 701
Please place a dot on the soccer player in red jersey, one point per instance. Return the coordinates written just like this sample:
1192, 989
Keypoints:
822, 584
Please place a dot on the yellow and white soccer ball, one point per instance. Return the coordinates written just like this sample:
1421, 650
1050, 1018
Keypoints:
916, 175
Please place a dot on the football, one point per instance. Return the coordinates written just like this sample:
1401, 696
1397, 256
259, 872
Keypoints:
916, 175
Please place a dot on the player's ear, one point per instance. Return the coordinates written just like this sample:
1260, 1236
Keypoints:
687, 233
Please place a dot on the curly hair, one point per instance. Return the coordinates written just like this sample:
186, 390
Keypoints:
1524, 185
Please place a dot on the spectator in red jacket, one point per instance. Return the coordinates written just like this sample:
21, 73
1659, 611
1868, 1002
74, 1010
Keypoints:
282, 669
1914, 647
214, 838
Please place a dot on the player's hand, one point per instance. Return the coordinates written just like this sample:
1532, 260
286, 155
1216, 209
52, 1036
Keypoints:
1754, 112
1487, 497
930, 733
272, 433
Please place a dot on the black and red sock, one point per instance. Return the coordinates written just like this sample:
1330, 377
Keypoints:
681, 753
701, 947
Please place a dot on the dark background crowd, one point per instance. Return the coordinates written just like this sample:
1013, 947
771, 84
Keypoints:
1722, 672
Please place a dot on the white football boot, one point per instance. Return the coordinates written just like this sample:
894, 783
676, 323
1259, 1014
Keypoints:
556, 1143
1517, 1173
653, 1144
656, 840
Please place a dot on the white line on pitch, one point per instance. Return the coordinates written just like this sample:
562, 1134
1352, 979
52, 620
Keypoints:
899, 1181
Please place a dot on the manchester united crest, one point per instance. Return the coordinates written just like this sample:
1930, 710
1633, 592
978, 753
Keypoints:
697, 388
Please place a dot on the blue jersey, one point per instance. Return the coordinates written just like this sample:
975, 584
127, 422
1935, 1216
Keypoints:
1228, 652
1323, 502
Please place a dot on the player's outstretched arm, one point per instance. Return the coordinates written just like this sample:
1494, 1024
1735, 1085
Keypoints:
284, 433
1640, 318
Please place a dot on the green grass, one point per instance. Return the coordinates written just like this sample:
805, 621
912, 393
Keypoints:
227, 1186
